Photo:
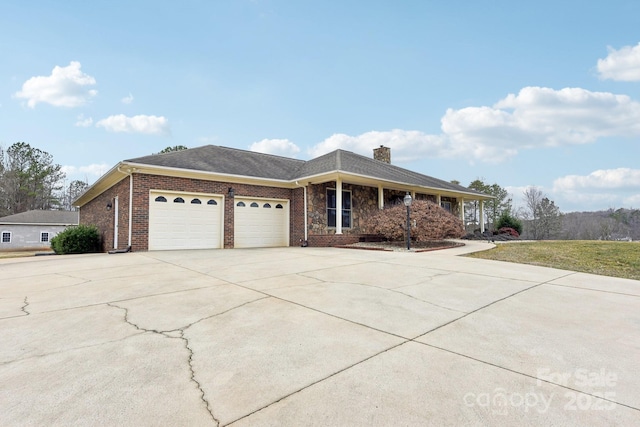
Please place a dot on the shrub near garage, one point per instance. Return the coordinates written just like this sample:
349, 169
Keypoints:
77, 240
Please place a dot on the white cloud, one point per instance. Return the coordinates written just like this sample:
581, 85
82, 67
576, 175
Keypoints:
603, 179
632, 201
152, 125
405, 144
84, 123
94, 170
207, 139
280, 147
127, 99
535, 117
621, 65
600, 189
65, 87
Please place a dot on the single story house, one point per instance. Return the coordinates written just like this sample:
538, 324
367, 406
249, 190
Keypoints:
220, 197
33, 229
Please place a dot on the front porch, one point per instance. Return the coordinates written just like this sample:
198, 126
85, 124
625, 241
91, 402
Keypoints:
331, 220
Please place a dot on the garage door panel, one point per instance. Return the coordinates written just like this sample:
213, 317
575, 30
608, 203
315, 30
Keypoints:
260, 224
184, 225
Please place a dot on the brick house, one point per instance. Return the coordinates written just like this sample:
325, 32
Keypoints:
220, 197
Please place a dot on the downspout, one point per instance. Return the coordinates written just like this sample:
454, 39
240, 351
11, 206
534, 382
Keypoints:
306, 228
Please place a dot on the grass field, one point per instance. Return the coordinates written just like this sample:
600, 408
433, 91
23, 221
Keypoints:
616, 259
23, 253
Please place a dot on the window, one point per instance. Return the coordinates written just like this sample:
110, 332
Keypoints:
212, 202
241, 205
44, 237
178, 200
266, 205
161, 199
331, 208
279, 206
196, 202
6, 237
255, 205
446, 206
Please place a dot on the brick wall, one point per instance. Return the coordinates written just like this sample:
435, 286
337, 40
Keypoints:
364, 204
95, 213
326, 240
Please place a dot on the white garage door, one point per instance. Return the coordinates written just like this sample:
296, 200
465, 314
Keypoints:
185, 221
260, 223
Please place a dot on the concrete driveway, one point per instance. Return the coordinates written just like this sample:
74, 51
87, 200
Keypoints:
314, 336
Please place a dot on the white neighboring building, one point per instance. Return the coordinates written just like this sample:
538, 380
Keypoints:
33, 229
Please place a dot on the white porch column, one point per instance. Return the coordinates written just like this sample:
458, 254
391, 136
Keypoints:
438, 200
481, 216
380, 197
462, 211
338, 206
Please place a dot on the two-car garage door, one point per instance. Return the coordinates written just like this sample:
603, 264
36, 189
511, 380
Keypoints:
196, 221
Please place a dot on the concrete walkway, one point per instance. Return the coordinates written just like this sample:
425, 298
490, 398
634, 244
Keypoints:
314, 336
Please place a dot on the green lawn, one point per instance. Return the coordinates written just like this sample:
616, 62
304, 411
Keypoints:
617, 259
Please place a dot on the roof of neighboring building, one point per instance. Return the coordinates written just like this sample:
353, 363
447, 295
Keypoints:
232, 161
40, 217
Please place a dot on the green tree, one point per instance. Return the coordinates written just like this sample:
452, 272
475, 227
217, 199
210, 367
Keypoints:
30, 179
508, 220
174, 148
493, 208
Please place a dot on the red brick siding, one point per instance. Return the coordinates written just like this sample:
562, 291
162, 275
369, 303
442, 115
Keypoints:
325, 240
95, 213
142, 184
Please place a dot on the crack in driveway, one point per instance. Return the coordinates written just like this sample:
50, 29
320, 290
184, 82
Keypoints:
24, 306
185, 340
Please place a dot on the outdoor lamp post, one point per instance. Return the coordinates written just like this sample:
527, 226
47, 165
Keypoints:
407, 203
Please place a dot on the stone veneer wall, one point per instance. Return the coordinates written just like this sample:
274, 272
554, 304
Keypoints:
364, 203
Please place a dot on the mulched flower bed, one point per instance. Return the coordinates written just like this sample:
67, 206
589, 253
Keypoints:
430, 245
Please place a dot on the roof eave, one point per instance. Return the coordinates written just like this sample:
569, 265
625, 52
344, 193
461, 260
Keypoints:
403, 186
106, 181
205, 175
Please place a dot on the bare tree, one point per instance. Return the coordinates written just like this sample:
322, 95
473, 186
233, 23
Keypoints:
543, 217
72, 192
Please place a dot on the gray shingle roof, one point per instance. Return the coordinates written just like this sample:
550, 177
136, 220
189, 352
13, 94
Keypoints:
232, 161
347, 161
42, 217
212, 158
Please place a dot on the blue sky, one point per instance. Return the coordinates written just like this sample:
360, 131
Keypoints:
543, 93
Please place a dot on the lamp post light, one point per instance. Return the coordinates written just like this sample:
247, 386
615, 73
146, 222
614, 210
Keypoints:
407, 203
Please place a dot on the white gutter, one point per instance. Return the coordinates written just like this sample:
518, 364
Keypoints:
396, 184
211, 176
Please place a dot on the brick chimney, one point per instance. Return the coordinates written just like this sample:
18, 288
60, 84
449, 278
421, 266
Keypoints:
383, 154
